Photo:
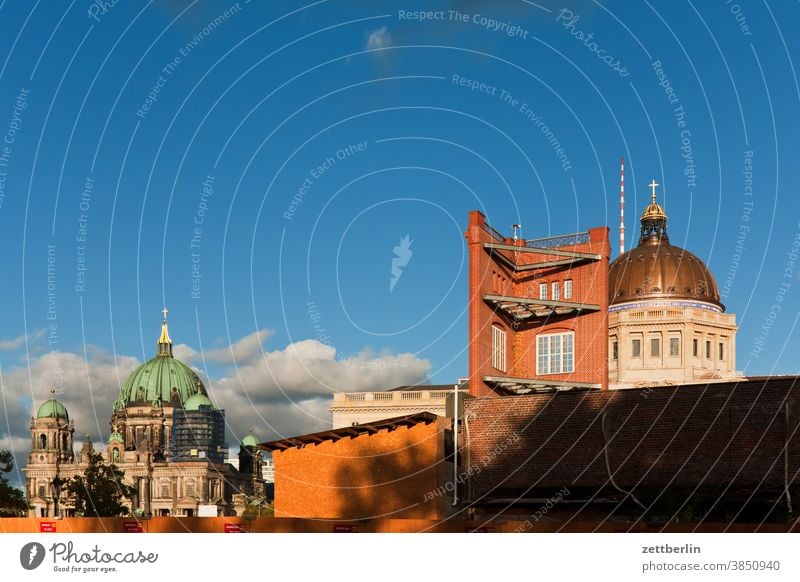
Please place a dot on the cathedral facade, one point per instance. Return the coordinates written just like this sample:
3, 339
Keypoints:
166, 435
665, 321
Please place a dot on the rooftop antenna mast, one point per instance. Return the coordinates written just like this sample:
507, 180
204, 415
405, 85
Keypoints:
622, 206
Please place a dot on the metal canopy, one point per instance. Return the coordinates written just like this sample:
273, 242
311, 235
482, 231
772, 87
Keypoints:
543, 251
532, 386
526, 308
542, 265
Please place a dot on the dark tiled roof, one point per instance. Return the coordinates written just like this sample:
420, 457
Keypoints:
349, 431
730, 437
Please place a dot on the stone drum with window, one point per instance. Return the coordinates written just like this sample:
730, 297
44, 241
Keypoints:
666, 323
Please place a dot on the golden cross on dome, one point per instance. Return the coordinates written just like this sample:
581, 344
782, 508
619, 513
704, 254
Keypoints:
653, 185
165, 311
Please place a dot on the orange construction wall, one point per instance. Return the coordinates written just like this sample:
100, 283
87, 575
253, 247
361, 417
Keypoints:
76, 525
391, 473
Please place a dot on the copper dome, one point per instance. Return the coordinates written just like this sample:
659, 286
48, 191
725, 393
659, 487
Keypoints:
657, 270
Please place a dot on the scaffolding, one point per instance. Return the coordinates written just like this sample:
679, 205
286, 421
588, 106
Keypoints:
198, 435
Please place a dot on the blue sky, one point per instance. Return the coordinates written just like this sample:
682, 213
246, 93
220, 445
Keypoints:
328, 131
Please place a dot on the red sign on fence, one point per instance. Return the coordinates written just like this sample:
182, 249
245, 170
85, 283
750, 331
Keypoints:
234, 528
47, 526
132, 527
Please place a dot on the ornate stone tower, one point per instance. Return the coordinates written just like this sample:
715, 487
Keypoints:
51, 447
251, 462
51, 433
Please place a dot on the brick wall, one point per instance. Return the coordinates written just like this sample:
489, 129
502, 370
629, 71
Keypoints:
489, 275
726, 437
391, 473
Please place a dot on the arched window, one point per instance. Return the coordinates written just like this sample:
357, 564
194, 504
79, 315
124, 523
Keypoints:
64, 442
498, 348
43, 441
115, 455
190, 492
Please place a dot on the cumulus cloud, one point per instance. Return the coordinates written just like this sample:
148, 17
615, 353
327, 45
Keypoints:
186, 354
241, 351
287, 392
379, 38
277, 393
86, 386
12, 345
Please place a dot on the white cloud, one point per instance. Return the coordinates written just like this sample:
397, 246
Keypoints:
11, 345
379, 38
288, 392
186, 354
279, 393
241, 351
87, 389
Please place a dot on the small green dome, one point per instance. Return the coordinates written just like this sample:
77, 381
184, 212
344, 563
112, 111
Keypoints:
250, 441
52, 408
196, 401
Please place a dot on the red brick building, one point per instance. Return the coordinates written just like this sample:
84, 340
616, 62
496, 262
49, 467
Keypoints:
538, 310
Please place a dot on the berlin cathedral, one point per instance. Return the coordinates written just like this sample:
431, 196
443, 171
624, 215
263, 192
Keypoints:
166, 435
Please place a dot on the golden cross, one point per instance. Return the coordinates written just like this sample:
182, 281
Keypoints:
164, 311
653, 186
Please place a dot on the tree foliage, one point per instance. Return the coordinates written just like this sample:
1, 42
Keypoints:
101, 489
259, 508
12, 500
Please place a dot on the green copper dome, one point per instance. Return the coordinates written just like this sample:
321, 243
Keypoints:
196, 401
160, 381
250, 441
52, 408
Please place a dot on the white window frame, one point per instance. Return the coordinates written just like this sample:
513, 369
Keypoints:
498, 348
568, 289
543, 291
551, 355
555, 291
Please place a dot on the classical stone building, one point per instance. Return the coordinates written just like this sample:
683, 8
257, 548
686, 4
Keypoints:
168, 438
666, 323
354, 408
